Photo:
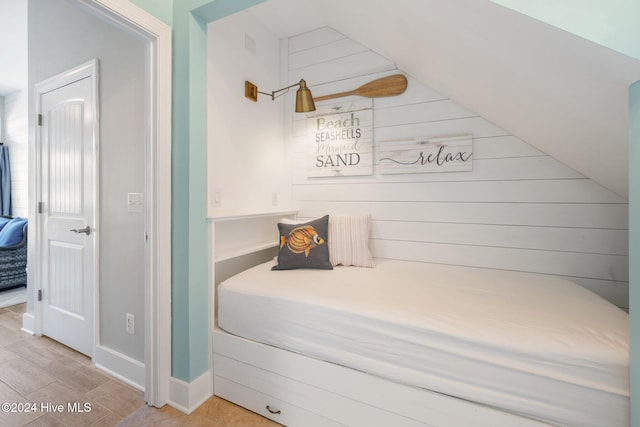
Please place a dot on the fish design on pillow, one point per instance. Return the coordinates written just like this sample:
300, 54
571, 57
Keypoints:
301, 239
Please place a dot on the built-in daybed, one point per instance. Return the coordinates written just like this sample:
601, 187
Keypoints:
407, 344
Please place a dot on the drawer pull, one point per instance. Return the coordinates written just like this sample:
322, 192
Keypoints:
273, 411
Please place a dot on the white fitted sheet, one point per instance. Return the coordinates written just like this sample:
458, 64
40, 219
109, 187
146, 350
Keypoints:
542, 347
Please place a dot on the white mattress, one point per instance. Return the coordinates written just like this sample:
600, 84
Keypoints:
541, 347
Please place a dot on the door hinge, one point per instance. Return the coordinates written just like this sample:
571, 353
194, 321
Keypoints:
39, 294
39, 119
40, 207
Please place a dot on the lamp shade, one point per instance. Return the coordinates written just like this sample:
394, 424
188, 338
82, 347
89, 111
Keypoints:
304, 99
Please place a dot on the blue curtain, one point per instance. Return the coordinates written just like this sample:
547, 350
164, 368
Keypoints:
5, 182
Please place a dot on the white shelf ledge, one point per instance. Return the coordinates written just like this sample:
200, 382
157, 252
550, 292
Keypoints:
237, 252
239, 215
237, 233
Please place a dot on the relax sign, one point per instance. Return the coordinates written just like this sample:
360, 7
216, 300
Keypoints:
443, 154
341, 142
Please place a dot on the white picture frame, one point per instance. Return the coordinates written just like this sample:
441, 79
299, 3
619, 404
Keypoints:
340, 139
426, 155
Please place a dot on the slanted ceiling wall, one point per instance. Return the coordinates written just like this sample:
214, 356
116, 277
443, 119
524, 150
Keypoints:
565, 95
519, 209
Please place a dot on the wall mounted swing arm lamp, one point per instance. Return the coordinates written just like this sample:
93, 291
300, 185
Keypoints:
304, 99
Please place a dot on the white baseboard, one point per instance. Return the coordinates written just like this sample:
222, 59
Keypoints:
186, 397
29, 323
118, 365
124, 368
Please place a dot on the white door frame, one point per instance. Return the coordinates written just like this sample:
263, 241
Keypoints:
157, 38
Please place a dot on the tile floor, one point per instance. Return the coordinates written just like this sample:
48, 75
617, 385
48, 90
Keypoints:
43, 377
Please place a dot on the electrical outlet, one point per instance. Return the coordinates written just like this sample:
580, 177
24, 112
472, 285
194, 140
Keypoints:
131, 324
274, 199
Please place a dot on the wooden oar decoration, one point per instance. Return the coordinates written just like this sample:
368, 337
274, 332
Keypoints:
385, 86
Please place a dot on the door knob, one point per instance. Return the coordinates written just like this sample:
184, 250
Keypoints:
86, 230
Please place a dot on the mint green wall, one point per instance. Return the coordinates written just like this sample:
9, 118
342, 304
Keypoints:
184, 282
161, 9
189, 281
610, 23
634, 248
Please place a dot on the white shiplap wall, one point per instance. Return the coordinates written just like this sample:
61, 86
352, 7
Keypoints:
518, 210
16, 138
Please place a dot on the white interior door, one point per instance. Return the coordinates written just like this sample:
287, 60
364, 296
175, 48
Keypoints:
67, 213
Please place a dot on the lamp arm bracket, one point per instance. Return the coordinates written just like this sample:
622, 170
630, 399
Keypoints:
285, 89
304, 99
266, 93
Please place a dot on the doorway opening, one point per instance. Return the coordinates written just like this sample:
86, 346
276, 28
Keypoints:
154, 372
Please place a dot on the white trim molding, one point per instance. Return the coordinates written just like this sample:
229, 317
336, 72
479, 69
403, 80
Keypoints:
187, 397
29, 323
123, 367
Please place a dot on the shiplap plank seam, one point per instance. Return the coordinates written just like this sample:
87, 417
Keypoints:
547, 262
449, 119
314, 38
614, 216
338, 49
498, 224
478, 245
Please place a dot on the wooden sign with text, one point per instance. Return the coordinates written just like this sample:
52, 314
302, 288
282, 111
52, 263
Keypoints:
341, 140
422, 155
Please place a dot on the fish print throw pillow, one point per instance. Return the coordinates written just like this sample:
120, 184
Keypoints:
304, 245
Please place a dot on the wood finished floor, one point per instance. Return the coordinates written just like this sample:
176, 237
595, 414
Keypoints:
43, 373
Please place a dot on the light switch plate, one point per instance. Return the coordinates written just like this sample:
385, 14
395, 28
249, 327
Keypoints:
135, 202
